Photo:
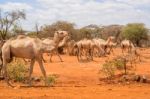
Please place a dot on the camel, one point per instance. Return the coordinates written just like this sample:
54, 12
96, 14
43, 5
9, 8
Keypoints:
127, 44
1, 45
68, 48
29, 48
84, 46
61, 45
104, 44
100, 48
55, 42
111, 45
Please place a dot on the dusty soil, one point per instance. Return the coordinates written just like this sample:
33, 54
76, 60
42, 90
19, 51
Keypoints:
81, 81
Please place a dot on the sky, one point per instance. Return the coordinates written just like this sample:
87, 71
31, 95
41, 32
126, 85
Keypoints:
80, 12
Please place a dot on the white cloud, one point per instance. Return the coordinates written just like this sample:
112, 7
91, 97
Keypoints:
84, 12
13, 6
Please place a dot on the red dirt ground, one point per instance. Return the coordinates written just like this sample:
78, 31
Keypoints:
81, 81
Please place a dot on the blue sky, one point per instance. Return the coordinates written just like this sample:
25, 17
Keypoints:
81, 12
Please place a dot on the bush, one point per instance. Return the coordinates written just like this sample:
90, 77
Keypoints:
135, 32
108, 69
119, 64
17, 71
51, 80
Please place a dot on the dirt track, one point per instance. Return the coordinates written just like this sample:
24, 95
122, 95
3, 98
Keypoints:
81, 81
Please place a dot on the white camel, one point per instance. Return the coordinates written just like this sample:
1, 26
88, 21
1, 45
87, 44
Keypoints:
68, 48
111, 46
26, 47
55, 42
104, 44
61, 45
127, 44
85, 46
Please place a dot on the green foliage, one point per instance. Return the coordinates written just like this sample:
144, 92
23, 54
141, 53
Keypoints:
8, 20
51, 80
32, 34
17, 71
135, 32
48, 30
109, 67
119, 64
76, 34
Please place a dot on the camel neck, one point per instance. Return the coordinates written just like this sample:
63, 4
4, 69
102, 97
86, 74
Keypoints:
108, 41
56, 40
64, 41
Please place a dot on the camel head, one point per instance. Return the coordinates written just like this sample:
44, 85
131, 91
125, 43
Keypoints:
60, 34
112, 38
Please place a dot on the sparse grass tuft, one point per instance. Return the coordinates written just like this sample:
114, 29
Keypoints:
17, 71
51, 80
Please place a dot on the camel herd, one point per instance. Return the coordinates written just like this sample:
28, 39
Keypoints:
33, 48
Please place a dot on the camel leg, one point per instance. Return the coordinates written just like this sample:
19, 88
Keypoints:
79, 54
42, 70
59, 56
31, 70
6, 74
50, 58
1, 66
112, 51
91, 53
43, 59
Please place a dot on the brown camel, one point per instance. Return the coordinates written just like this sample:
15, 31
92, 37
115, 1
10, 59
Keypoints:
28, 48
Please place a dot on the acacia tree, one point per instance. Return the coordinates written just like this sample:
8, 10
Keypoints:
48, 30
135, 32
8, 20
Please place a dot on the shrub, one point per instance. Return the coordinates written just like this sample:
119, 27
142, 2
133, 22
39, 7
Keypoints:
17, 71
135, 32
108, 69
119, 64
51, 80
